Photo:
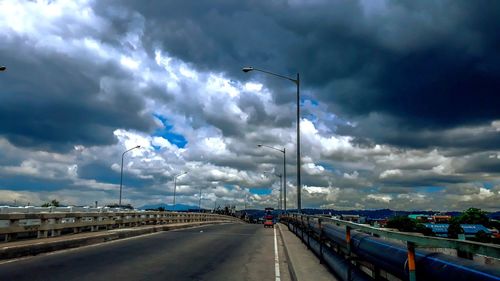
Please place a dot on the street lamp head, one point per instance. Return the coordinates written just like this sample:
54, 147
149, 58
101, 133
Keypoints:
3, 68
247, 69
259, 145
138, 146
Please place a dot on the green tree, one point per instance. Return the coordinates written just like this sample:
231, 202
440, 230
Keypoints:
53, 203
474, 216
494, 224
402, 223
454, 228
483, 237
427, 231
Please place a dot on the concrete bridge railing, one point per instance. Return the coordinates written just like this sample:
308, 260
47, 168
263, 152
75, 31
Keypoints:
41, 225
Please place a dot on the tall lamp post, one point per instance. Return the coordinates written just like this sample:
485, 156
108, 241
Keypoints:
280, 205
121, 173
284, 171
297, 83
175, 184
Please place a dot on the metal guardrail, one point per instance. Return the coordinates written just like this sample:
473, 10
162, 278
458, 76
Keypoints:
420, 241
321, 228
53, 224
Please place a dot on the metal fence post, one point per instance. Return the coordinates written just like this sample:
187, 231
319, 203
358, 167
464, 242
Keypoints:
348, 243
411, 261
302, 227
308, 233
348, 239
321, 258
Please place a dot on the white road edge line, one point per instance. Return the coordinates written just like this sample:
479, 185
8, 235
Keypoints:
276, 257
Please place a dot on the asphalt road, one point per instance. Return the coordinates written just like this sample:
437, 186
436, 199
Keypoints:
217, 252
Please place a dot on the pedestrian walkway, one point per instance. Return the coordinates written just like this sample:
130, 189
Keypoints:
304, 265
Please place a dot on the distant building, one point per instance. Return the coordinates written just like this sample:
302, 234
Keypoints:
440, 218
470, 230
419, 217
353, 218
380, 223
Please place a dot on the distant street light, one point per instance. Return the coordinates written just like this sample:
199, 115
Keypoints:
175, 185
3, 68
284, 171
297, 83
121, 174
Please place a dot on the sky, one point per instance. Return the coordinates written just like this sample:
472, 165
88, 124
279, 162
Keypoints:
400, 104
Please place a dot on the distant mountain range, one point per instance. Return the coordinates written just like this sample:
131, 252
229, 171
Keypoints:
374, 214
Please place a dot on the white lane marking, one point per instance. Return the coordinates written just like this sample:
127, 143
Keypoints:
276, 257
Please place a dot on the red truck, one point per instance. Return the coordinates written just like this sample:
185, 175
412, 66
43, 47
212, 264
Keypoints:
269, 218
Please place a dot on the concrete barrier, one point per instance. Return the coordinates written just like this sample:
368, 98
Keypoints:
43, 225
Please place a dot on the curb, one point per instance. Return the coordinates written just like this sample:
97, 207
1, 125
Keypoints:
40, 246
293, 275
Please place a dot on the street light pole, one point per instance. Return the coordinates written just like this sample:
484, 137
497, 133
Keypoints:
299, 184
297, 83
280, 204
284, 179
175, 185
121, 174
284, 170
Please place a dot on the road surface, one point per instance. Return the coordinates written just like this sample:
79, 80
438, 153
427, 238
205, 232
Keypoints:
217, 252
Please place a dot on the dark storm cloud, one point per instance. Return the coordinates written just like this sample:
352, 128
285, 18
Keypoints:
52, 102
482, 163
98, 171
432, 72
422, 180
15, 182
381, 128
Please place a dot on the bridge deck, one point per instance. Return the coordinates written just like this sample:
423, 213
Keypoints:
216, 252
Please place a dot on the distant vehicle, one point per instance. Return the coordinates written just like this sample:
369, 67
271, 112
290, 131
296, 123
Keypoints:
269, 218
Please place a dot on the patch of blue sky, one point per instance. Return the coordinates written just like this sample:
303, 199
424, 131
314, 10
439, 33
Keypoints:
488, 185
167, 133
261, 191
327, 166
311, 117
304, 99
430, 189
